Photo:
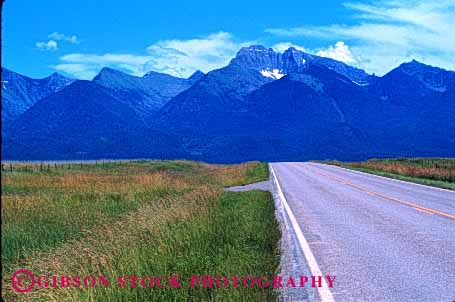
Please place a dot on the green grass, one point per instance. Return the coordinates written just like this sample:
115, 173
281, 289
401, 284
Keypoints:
256, 173
37, 229
139, 218
260, 172
39, 214
238, 237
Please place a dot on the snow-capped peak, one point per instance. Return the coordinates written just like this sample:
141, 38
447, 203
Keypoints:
274, 74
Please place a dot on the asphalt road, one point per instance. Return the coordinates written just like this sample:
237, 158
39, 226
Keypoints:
384, 240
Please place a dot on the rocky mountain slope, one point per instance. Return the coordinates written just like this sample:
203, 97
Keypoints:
263, 105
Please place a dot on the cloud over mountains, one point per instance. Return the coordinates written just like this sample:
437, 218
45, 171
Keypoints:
385, 33
176, 57
376, 37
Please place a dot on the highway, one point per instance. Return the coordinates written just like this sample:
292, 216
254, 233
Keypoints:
384, 240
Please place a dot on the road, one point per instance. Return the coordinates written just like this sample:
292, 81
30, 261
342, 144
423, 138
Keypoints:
384, 240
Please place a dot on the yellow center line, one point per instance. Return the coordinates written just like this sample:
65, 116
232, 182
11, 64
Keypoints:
410, 204
424, 211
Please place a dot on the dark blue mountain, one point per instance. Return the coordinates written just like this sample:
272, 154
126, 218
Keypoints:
106, 117
85, 120
195, 77
146, 94
207, 105
264, 105
412, 81
314, 114
20, 92
313, 111
424, 99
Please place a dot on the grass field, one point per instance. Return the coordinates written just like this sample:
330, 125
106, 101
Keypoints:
437, 172
139, 218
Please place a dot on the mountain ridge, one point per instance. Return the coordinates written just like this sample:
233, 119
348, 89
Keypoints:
150, 92
263, 105
20, 92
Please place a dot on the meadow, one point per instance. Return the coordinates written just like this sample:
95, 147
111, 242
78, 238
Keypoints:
143, 218
438, 172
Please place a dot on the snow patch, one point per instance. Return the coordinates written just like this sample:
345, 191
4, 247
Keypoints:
360, 83
3, 85
303, 61
274, 74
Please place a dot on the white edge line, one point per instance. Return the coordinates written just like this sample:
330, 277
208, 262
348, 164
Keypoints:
388, 178
324, 292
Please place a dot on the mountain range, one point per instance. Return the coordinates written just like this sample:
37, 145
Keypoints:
263, 105
19, 92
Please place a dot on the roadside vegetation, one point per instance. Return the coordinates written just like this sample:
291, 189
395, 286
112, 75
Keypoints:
437, 172
144, 218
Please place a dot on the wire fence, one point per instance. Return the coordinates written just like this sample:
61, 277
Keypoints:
17, 166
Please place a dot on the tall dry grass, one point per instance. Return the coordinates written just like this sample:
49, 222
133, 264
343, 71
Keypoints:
40, 210
148, 218
441, 169
104, 246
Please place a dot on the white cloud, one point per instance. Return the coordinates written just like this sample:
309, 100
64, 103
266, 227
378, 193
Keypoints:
62, 37
339, 51
86, 66
183, 57
52, 43
79, 71
177, 57
49, 45
387, 33
180, 57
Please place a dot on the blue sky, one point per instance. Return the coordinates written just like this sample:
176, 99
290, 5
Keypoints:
78, 38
